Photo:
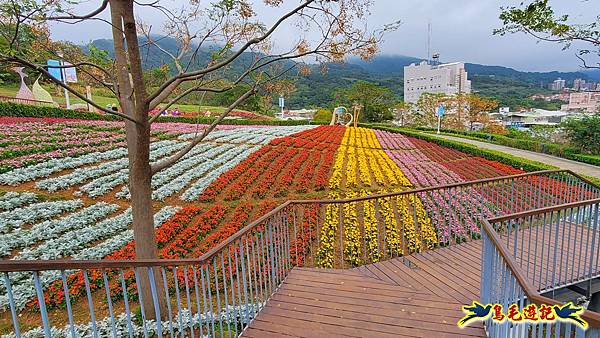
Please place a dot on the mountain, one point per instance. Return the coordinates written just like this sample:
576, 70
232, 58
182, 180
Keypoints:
393, 64
509, 86
593, 74
385, 64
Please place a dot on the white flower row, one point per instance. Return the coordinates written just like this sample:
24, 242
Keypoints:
72, 243
198, 187
104, 184
14, 219
230, 315
199, 154
249, 135
12, 200
116, 242
21, 238
80, 175
190, 160
200, 170
47, 168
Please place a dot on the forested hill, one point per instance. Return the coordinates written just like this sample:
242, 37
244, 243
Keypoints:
509, 86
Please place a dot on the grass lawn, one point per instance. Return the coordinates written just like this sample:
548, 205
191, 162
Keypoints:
103, 101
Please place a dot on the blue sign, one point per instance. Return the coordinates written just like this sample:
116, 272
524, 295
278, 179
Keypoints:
55, 72
441, 110
281, 102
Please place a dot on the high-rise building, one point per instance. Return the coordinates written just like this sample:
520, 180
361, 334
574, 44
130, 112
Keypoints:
558, 84
578, 84
448, 78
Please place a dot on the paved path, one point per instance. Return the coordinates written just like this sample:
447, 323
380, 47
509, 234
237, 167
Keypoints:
578, 167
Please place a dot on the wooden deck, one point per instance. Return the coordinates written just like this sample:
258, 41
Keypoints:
420, 295
416, 296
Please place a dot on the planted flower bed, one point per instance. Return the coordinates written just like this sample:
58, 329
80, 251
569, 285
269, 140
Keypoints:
72, 201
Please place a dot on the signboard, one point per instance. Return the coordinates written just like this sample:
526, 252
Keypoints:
441, 111
281, 102
55, 72
70, 73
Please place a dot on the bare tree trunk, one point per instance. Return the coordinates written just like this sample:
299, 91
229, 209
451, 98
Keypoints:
132, 96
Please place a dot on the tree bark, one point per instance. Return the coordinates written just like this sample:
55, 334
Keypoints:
132, 97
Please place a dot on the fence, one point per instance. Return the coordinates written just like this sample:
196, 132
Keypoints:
219, 293
539, 251
26, 101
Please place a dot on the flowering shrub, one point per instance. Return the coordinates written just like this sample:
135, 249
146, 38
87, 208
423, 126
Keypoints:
329, 230
353, 236
371, 229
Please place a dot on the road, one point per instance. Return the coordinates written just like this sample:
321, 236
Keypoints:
578, 167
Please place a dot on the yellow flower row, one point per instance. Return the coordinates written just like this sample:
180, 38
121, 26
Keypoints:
406, 227
393, 236
418, 230
329, 230
351, 179
336, 177
371, 229
352, 234
364, 168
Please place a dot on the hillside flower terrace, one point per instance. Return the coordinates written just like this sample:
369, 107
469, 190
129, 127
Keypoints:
254, 211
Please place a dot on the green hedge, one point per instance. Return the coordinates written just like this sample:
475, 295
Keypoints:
594, 180
21, 110
493, 155
591, 159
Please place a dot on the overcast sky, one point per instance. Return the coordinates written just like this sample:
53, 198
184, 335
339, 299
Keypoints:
461, 31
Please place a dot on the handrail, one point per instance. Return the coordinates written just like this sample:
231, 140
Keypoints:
592, 318
40, 265
533, 212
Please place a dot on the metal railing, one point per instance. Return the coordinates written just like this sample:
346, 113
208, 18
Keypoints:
358, 231
219, 293
539, 251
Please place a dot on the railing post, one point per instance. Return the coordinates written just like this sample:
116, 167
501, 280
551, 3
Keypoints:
154, 291
126, 302
13, 311
91, 303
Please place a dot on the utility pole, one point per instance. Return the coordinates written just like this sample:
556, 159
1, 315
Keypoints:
429, 42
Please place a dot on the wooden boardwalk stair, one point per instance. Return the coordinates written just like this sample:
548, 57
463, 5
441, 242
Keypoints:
419, 295
416, 296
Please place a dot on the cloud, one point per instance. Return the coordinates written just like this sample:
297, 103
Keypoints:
461, 31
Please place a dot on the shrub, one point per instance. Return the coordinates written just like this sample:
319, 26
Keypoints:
21, 110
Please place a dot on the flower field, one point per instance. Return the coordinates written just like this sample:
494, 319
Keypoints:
64, 193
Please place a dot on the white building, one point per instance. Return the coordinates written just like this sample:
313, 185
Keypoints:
448, 78
558, 84
534, 117
578, 84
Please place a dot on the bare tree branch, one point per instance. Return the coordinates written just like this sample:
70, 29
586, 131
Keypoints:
184, 94
584, 63
81, 17
171, 160
166, 87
